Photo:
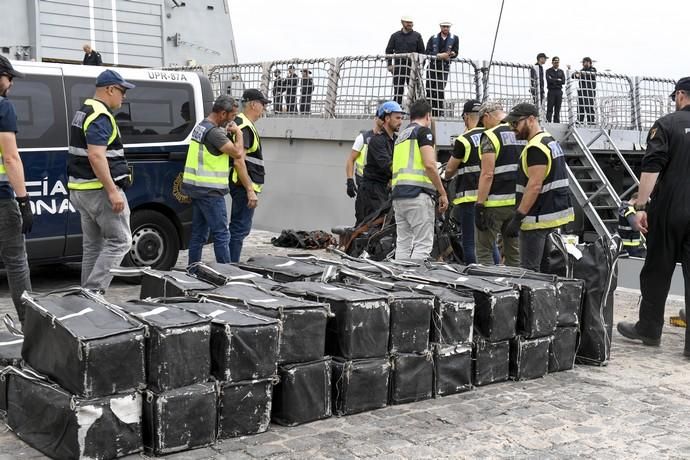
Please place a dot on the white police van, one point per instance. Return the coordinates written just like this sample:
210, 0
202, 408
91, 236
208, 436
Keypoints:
155, 120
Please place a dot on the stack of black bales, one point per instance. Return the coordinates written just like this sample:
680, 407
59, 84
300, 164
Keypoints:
357, 337
495, 318
81, 395
244, 356
222, 274
537, 318
304, 390
175, 283
179, 401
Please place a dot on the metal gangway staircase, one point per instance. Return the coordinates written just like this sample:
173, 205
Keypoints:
588, 183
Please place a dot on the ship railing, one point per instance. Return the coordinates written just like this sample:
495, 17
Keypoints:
653, 101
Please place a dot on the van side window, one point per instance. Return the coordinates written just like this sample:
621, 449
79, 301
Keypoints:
151, 112
39, 101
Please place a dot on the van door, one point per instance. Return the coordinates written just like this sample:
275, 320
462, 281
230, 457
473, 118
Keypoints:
39, 99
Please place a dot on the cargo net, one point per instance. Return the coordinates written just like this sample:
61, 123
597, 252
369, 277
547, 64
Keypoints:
600, 99
511, 84
653, 100
299, 87
234, 79
364, 82
449, 84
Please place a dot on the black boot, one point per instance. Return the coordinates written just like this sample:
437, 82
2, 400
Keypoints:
629, 331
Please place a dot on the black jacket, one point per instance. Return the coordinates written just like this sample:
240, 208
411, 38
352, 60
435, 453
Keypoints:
555, 78
378, 167
588, 78
92, 59
401, 42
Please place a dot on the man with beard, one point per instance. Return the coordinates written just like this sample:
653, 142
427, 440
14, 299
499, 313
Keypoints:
587, 93
665, 170
355, 164
374, 191
404, 40
15, 210
542, 192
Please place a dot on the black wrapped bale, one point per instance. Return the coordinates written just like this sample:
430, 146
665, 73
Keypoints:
303, 394
283, 269
244, 345
596, 264
452, 320
303, 334
412, 377
529, 358
360, 385
410, 314
89, 348
10, 349
360, 324
155, 283
538, 308
570, 292
563, 348
177, 345
244, 408
221, 274
180, 419
63, 426
490, 361
452, 369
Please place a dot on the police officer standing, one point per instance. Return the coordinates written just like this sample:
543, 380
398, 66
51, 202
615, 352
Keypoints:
98, 177
354, 166
247, 172
415, 184
499, 151
666, 222
15, 209
374, 191
442, 47
542, 192
205, 178
403, 41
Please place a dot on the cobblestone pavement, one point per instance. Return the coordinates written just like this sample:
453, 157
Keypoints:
636, 407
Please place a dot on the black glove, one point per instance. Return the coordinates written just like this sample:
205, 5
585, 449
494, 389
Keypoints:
27, 215
513, 228
351, 188
481, 220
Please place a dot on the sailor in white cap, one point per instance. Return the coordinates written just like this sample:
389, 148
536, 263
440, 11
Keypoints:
405, 40
442, 47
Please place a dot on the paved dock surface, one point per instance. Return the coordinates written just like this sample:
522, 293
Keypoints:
636, 407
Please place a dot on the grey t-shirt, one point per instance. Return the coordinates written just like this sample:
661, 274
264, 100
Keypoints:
215, 139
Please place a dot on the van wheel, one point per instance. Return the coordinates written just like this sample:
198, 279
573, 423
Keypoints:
155, 242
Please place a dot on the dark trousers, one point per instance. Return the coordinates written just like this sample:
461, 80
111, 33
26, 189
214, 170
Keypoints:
372, 196
532, 244
585, 107
668, 242
358, 199
401, 75
291, 100
463, 214
553, 105
435, 89
278, 102
13, 253
209, 215
305, 104
240, 221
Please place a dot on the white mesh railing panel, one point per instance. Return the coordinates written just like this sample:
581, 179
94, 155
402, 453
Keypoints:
653, 100
448, 86
508, 83
605, 101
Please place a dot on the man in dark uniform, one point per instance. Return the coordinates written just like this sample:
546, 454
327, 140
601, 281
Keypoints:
278, 90
442, 47
555, 79
665, 171
91, 56
538, 80
306, 92
16, 218
587, 93
405, 40
375, 190
290, 83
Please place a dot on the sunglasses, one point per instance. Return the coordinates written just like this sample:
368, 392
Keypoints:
120, 89
514, 124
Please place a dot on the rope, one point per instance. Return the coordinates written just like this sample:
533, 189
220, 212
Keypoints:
493, 47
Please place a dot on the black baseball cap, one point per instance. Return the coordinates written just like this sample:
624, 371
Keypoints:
471, 106
254, 95
683, 85
6, 67
524, 109
542, 55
